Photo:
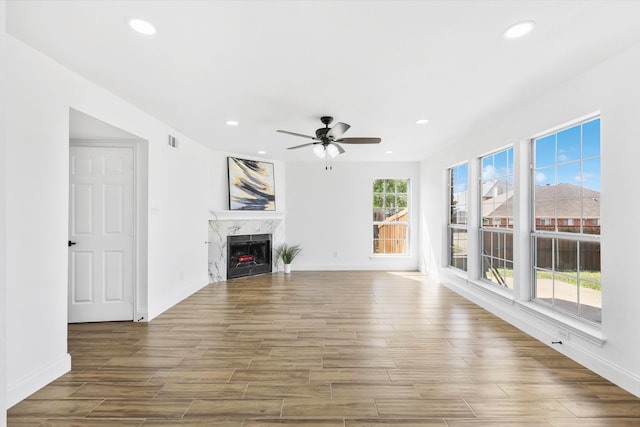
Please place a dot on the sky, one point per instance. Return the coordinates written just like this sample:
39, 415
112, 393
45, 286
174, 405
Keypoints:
570, 156
498, 166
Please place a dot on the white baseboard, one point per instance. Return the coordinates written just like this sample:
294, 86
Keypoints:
141, 316
34, 381
174, 298
376, 265
585, 352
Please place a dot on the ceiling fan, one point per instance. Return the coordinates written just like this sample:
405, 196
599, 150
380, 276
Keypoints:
326, 140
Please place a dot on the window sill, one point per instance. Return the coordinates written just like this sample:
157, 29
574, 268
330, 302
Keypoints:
503, 294
461, 274
566, 325
386, 256
486, 288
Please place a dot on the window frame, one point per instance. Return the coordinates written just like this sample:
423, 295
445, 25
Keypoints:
502, 231
457, 227
406, 224
555, 235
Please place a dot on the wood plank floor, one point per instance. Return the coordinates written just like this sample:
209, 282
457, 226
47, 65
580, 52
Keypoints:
322, 349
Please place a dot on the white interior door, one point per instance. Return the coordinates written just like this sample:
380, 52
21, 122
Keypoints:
101, 233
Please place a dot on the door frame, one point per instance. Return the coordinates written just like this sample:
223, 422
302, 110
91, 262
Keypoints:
139, 312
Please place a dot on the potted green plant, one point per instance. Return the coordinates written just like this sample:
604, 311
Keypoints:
287, 253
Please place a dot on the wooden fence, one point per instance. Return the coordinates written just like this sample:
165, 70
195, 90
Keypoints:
391, 237
566, 253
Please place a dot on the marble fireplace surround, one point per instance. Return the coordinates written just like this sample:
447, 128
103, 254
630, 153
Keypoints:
237, 223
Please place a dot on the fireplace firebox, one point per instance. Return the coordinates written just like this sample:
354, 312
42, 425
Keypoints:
248, 255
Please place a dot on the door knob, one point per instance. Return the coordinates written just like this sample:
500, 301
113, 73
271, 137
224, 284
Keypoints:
71, 243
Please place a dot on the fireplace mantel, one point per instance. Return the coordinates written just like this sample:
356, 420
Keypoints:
245, 215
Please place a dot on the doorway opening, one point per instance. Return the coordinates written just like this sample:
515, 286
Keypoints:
107, 230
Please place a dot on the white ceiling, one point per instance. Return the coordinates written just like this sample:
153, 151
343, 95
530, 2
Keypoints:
377, 65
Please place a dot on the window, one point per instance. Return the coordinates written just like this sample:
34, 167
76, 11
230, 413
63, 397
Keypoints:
391, 216
457, 222
496, 235
566, 229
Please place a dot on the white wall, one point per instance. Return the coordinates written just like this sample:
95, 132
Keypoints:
178, 227
3, 253
173, 256
37, 141
330, 214
611, 88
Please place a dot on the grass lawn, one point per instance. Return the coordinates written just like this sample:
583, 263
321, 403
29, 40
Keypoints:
592, 277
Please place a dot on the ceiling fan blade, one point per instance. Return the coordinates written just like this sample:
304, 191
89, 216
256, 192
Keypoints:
359, 140
340, 149
297, 134
338, 129
303, 145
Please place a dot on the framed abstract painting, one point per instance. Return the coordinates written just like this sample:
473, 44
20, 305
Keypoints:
251, 185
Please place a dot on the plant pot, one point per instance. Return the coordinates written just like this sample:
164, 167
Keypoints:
287, 268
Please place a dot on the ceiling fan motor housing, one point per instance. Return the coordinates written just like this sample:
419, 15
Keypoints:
326, 120
321, 133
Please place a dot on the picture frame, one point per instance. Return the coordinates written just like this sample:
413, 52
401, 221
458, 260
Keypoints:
251, 185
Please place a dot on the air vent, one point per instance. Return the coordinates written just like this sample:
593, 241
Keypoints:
173, 141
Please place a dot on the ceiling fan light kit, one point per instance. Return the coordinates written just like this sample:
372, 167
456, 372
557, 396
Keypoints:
326, 139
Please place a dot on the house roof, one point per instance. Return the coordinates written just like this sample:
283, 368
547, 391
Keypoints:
571, 201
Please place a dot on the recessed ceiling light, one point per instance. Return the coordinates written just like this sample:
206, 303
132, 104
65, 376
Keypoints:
231, 123
518, 30
388, 152
262, 152
142, 26
422, 122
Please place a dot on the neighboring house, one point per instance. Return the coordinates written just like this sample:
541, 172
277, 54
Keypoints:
494, 188
563, 205
496, 195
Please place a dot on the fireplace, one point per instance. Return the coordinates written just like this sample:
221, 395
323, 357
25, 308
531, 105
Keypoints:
248, 255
